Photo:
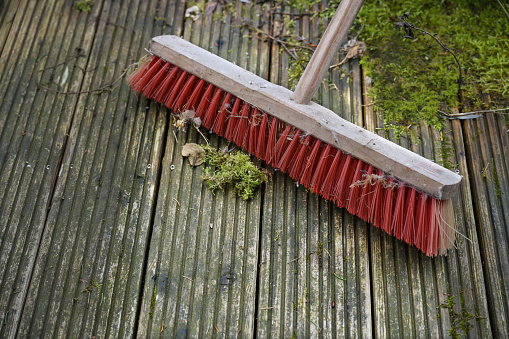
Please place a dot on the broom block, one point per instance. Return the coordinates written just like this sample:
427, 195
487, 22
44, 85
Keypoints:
312, 118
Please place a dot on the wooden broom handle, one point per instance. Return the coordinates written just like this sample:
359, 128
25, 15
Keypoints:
331, 40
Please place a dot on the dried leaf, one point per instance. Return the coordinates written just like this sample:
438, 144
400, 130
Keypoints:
194, 153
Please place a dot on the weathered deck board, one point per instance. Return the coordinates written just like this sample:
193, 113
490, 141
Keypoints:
32, 143
201, 277
99, 236
100, 210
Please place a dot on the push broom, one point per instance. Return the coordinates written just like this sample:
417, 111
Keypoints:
387, 185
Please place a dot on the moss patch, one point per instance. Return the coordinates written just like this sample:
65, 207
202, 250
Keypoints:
233, 168
414, 78
84, 6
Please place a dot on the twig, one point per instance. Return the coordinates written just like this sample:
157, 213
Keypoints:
503, 8
294, 259
408, 28
109, 86
267, 308
281, 42
496, 111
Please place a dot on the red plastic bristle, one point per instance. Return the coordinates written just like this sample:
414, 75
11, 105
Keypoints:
135, 78
151, 89
387, 217
365, 204
152, 70
434, 244
185, 93
271, 142
285, 159
409, 228
354, 196
254, 127
343, 183
205, 102
241, 131
330, 178
175, 90
281, 145
233, 120
399, 211
310, 164
421, 222
196, 96
210, 114
261, 145
296, 164
367, 192
375, 215
322, 167
161, 92
220, 122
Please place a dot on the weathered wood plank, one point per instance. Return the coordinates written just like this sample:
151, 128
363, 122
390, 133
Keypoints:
103, 144
34, 160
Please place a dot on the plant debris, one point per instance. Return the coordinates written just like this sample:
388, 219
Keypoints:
194, 153
233, 168
84, 6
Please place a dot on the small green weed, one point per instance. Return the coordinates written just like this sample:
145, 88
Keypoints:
233, 168
461, 323
84, 5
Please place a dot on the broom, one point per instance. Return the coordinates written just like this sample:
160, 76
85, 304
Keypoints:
387, 185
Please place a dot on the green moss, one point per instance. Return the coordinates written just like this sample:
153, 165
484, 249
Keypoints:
152, 305
232, 168
84, 6
461, 323
414, 78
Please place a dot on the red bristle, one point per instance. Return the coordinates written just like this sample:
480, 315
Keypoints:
196, 96
297, 163
135, 77
354, 196
175, 90
241, 131
284, 161
398, 221
365, 204
205, 101
343, 182
281, 144
185, 93
233, 120
435, 243
271, 141
220, 122
330, 179
430, 246
254, 126
152, 69
375, 215
310, 165
386, 224
409, 228
262, 138
161, 92
150, 90
322, 167
210, 115
421, 223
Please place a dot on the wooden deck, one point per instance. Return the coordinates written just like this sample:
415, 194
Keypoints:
105, 231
